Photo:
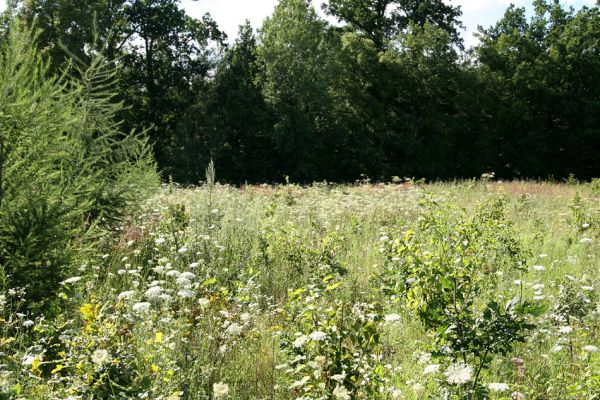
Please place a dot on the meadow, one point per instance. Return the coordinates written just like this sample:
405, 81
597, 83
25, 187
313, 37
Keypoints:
468, 290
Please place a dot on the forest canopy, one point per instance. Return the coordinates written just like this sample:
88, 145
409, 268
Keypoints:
389, 91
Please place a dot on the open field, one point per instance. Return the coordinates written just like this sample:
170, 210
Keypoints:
467, 290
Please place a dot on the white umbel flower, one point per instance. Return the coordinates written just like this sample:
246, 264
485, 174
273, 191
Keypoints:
141, 308
498, 387
317, 336
341, 393
220, 390
431, 369
100, 357
458, 374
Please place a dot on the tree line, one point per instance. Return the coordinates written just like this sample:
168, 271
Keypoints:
388, 91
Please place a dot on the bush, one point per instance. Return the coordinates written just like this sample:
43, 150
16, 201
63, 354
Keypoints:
65, 165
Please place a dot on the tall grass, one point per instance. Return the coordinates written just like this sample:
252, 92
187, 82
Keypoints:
275, 292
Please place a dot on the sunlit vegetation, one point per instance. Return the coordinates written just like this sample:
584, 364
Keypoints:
404, 291
338, 279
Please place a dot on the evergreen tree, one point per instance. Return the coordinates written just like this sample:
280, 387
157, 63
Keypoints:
65, 164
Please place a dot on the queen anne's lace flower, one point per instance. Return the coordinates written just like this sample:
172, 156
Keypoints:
100, 357
220, 390
458, 374
341, 393
498, 387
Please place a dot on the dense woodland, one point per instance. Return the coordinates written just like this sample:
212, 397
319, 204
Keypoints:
388, 91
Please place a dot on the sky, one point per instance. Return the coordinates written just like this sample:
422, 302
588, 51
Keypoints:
229, 14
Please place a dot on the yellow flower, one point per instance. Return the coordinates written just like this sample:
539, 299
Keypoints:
158, 338
35, 365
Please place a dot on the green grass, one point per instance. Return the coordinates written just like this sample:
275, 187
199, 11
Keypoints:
235, 319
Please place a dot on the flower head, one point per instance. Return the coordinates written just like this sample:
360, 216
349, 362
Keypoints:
498, 387
220, 390
100, 357
341, 393
458, 374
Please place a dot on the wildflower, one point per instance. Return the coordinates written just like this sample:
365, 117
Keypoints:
539, 268
100, 357
339, 377
564, 330
154, 292
537, 287
220, 390
166, 297
194, 265
245, 317
160, 240
185, 293
187, 275
557, 348
418, 388
126, 295
517, 396
141, 308
590, 349
498, 387
425, 358
392, 318
341, 393
28, 324
183, 283
182, 250
27, 360
320, 361
586, 241
587, 288
431, 369
203, 302
71, 280
317, 336
234, 330
458, 374
299, 383
300, 341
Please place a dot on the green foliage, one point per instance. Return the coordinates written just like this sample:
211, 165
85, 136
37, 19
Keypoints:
447, 272
294, 55
336, 348
64, 165
382, 20
278, 299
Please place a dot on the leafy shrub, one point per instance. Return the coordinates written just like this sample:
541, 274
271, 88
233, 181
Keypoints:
447, 272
